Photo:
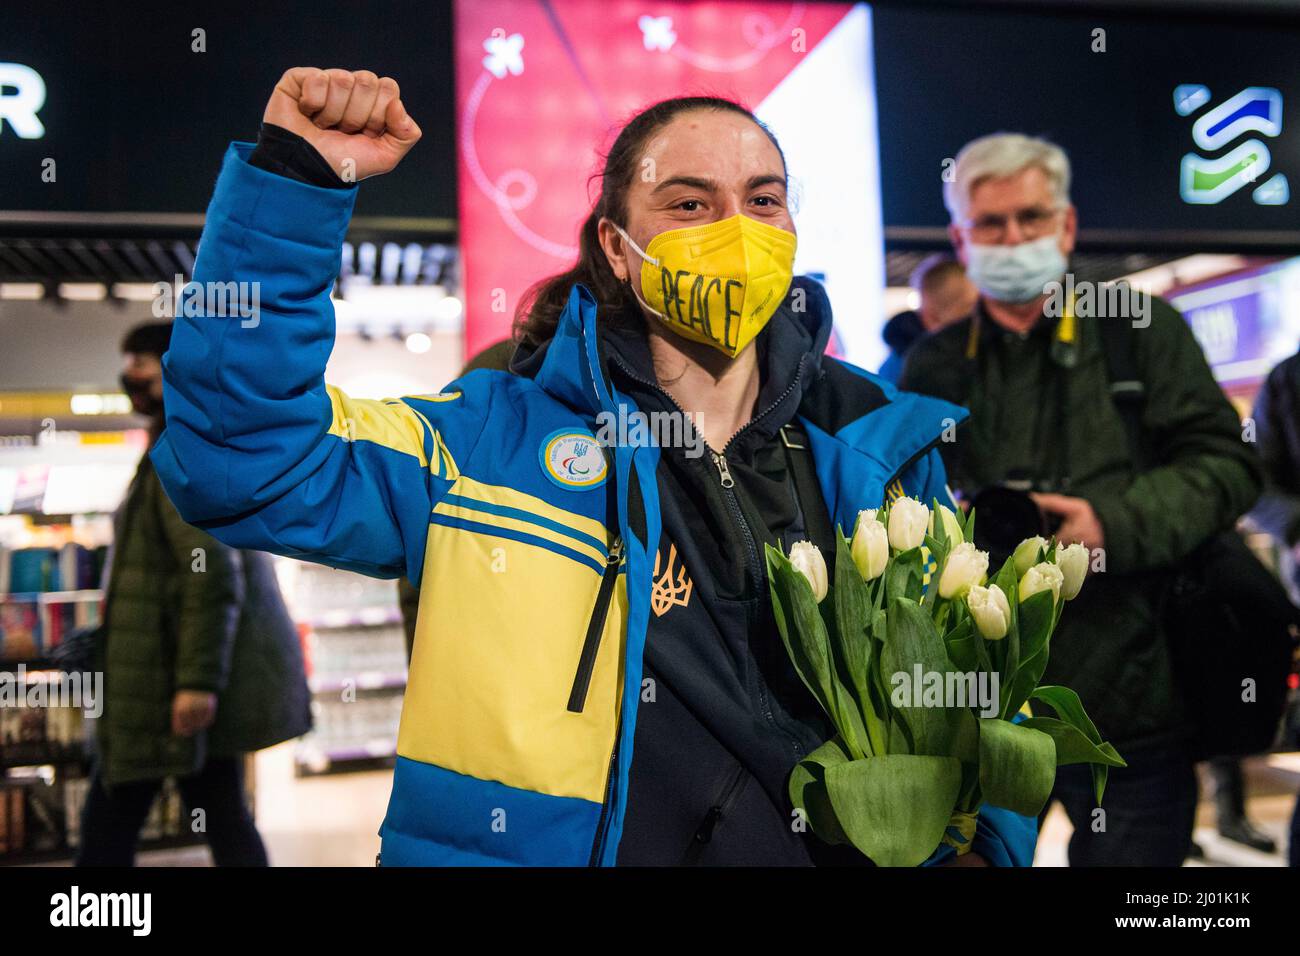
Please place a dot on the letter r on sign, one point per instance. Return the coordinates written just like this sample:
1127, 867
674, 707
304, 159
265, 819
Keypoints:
22, 94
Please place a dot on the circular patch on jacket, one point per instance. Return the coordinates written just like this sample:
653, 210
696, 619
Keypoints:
573, 460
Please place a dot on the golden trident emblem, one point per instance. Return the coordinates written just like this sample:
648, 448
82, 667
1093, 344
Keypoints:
670, 588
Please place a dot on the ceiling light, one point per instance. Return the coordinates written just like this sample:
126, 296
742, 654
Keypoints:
419, 342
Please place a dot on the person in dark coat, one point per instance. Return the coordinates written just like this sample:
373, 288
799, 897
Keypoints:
944, 296
201, 661
1277, 431
1043, 421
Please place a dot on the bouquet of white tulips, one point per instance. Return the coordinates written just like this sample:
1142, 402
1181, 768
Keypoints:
925, 678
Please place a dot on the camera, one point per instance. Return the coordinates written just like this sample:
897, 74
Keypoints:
1007, 515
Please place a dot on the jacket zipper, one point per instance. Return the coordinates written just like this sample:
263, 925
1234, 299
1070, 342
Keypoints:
582, 683
728, 484
717, 813
757, 578
595, 628
602, 821
720, 460
798, 376
723, 470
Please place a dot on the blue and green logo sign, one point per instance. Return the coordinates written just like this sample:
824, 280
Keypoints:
1205, 180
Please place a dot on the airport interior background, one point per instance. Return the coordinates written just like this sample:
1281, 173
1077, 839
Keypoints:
881, 98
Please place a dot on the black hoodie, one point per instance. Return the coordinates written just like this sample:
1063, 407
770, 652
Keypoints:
723, 716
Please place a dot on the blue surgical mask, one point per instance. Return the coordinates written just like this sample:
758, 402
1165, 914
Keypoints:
1015, 273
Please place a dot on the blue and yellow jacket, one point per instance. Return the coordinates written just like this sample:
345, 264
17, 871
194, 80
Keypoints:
520, 713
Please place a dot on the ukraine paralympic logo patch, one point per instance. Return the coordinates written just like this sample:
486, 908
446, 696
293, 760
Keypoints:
573, 460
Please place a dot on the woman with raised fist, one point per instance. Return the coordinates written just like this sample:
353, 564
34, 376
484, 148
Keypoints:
596, 675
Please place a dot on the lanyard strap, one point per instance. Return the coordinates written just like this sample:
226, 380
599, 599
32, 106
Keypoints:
807, 490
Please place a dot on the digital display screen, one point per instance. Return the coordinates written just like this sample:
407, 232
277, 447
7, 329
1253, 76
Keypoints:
137, 102
1184, 135
544, 87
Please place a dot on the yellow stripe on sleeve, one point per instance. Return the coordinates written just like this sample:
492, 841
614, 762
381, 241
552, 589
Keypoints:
392, 424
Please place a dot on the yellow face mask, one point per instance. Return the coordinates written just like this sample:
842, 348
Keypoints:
719, 283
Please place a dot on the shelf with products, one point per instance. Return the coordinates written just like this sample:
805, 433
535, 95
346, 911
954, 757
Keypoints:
355, 650
40, 816
43, 717
50, 571
45, 771
46, 593
44, 767
46, 729
57, 499
44, 761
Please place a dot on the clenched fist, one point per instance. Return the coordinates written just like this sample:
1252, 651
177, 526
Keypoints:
354, 119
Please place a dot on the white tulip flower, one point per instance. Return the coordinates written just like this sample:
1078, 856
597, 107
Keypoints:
1026, 553
951, 526
1042, 577
1073, 562
991, 611
808, 561
965, 568
870, 546
908, 519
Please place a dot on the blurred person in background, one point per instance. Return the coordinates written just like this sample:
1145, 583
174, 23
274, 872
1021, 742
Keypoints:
1043, 422
201, 661
1277, 431
944, 294
1230, 807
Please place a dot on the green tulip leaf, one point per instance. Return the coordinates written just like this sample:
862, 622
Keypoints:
1006, 658
1100, 773
966, 737
895, 808
913, 642
903, 576
808, 790
962, 649
795, 609
852, 612
1017, 766
1072, 745
1069, 708
1034, 620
